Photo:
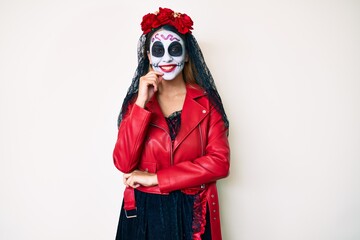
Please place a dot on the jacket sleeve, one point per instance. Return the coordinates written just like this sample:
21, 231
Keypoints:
208, 168
131, 135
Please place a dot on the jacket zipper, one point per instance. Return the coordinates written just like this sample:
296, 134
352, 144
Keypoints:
171, 153
201, 141
171, 145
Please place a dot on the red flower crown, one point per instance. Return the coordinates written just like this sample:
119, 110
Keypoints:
166, 16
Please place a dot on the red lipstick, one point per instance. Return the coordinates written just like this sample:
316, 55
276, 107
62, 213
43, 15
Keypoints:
168, 68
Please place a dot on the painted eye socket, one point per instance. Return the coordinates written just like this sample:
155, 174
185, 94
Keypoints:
157, 49
175, 49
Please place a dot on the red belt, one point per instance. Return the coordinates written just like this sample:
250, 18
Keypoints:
129, 196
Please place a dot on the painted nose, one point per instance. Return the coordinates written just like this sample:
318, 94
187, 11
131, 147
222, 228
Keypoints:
167, 57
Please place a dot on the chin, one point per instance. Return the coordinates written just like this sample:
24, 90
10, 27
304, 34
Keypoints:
170, 76
168, 79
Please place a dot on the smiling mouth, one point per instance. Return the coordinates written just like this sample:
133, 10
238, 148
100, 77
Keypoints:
168, 68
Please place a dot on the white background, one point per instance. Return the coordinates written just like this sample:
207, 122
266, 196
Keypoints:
289, 76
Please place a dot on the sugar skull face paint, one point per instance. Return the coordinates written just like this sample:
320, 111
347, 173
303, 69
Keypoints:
167, 53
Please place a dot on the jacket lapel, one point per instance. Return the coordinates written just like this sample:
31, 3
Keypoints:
157, 117
192, 113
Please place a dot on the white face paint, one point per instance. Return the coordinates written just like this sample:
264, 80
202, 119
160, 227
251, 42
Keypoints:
167, 53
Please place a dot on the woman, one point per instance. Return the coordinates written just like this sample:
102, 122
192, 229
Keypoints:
172, 143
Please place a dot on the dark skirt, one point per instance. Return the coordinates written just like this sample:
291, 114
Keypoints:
161, 217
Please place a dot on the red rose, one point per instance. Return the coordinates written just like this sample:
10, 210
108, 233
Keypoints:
147, 22
165, 16
156, 23
183, 24
178, 24
187, 21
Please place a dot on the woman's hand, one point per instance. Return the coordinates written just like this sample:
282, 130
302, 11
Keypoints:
148, 85
139, 178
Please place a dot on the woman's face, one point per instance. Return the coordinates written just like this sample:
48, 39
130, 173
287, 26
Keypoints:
167, 53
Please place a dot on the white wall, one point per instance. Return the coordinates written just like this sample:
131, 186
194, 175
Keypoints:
289, 76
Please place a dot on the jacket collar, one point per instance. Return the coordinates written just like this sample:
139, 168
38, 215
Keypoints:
192, 114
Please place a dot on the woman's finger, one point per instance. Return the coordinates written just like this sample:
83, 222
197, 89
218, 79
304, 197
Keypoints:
132, 182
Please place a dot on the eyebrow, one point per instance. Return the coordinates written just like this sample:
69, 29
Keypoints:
169, 36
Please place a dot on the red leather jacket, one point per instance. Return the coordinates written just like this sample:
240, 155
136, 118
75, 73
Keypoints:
197, 157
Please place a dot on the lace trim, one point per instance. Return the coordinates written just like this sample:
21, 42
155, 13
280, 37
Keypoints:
199, 218
174, 122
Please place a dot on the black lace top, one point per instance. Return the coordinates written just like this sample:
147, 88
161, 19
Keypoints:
174, 122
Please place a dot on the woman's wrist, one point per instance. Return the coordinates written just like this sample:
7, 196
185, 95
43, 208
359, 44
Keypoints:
155, 180
140, 103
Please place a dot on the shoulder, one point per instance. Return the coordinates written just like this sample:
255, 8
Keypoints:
197, 97
195, 91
